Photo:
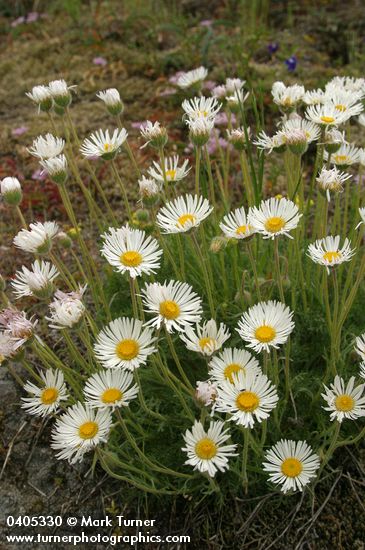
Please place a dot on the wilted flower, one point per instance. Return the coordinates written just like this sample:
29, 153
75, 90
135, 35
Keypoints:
67, 309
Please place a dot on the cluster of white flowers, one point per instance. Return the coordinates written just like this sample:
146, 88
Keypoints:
237, 388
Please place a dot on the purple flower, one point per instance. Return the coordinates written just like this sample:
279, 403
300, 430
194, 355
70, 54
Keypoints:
209, 85
32, 16
221, 119
100, 61
39, 175
273, 47
206, 23
291, 63
19, 131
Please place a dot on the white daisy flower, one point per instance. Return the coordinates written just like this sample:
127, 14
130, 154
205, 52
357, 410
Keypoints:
268, 143
104, 145
112, 100
201, 107
347, 83
37, 281
196, 76
66, 309
346, 102
311, 130
360, 346
206, 392
205, 450
56, 168
206, 338
274, 217
314, 97
344, 401
154, 133
235, 225
47, 147
41, 96
331, 180
60, 92
11, 191
287, 97
326, 114
233, 84
79, 430
125, 344
131, 251
362, 370
173, 172
231, 361
110, 389
291, 464
265, 325
347, 155
249, 399
200, 130
183, 213
236, 99
46, 399
174, 305
38, 239
328, 252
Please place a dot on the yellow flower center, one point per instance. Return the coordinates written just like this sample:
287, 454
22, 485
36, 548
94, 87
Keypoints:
203, 342
127, 349
203, 113
247, 401
327, 119
107, 147
274, 224
88, 430
344, 403
340, 158
170, 174
243, 229
206, 448
131, 258
111, 395
169, 309
291, 467
341, 107
49, 396
185, 218
331, 256
265, 333
231, 369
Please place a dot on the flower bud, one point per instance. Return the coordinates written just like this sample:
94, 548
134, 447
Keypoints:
237, 138
64, 240
154, 134
11, 191
60, 93
218, 243
112, 100
200, 130
297, 142
206, 392
56, 168
41, 95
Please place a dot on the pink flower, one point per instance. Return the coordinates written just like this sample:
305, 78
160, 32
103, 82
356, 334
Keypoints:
39, 175
19, 131
18, 21
100, 61
209, 85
